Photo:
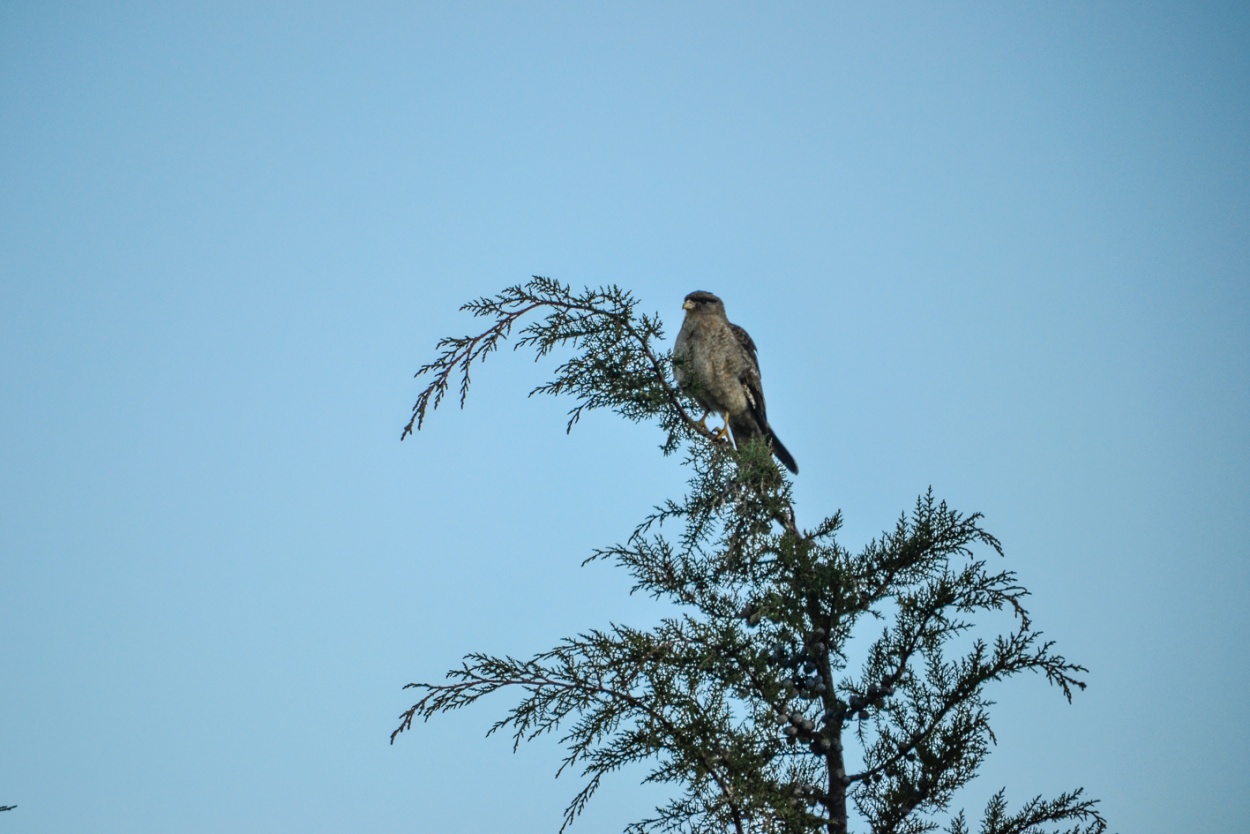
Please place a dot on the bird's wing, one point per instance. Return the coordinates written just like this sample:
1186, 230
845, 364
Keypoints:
744, 339
749, 376
754, 389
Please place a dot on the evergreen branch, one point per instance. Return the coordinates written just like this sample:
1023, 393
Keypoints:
1037, 812
735, 700
616, 365
576, 678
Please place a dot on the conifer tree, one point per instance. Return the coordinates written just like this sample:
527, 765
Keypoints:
744, 701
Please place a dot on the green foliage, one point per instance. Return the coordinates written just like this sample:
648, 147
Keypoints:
616, 364
744, 701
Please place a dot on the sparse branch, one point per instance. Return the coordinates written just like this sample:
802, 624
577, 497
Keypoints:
615, 364
1038, 815
610, 680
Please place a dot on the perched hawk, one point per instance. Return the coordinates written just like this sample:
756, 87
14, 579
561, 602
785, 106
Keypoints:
714, 362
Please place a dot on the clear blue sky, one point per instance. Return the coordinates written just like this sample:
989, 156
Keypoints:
1003, 249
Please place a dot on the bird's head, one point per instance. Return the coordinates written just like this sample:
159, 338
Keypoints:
700, 302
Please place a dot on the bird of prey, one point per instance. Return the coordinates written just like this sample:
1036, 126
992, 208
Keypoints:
715, 363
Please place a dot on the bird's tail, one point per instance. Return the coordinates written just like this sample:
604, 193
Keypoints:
782, 454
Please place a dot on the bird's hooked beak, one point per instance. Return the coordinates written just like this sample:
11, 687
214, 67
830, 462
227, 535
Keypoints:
687, 305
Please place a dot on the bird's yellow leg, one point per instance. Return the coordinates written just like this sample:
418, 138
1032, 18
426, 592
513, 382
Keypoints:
724, 430
702, 421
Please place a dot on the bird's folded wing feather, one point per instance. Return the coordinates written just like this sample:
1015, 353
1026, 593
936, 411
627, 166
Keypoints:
744, 339
750, 377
